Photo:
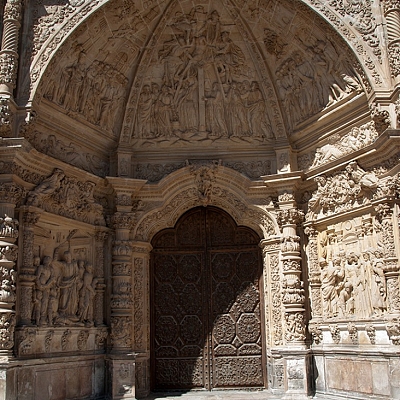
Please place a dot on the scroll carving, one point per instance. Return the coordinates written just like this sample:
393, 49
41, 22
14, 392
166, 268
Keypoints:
67, 197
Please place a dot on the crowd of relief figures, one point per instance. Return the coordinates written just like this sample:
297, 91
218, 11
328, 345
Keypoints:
354, 284
206, 89
64, 290
94, 90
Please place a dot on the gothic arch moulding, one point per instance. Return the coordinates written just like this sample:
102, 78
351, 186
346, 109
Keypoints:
195, 186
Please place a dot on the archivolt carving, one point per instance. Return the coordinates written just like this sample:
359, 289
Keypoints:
256, 218
53, 23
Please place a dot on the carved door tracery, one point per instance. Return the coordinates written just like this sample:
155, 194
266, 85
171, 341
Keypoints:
206, 320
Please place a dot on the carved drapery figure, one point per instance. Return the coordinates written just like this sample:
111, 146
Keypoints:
44, 284
69, 286
86, 296
332, 275
64, 291
205, 88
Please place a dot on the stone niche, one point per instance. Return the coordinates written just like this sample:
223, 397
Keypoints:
61, 334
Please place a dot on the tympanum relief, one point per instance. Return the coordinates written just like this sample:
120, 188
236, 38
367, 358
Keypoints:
201, 85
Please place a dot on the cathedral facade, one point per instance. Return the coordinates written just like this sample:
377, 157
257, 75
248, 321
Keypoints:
199, 195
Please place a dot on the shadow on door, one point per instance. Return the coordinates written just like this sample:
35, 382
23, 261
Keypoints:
207, 325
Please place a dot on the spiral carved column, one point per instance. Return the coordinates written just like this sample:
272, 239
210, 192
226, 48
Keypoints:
9, 46
392, 15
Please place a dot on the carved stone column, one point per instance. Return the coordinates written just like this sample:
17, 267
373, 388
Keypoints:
9, 63
9, 45
8, 258
294, 351
122, 360
314, 273
100, 238
293, 290
273, 312
391, 268
27, 271
392, 15
141, 316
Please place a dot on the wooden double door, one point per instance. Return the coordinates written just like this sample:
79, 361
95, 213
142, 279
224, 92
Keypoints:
207, 328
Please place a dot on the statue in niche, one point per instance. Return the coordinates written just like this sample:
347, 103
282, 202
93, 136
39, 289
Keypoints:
332, 275
355, 274
68, 285
44, 284
86, 296
373, 262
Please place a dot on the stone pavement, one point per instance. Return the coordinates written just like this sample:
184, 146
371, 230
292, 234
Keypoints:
215, 395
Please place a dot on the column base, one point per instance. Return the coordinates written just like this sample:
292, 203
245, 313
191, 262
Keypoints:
7, 378
121, 369
289, 372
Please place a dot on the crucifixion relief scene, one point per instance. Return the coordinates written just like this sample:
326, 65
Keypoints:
199, 197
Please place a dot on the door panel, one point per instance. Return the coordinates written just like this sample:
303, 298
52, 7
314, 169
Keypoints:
207, 327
